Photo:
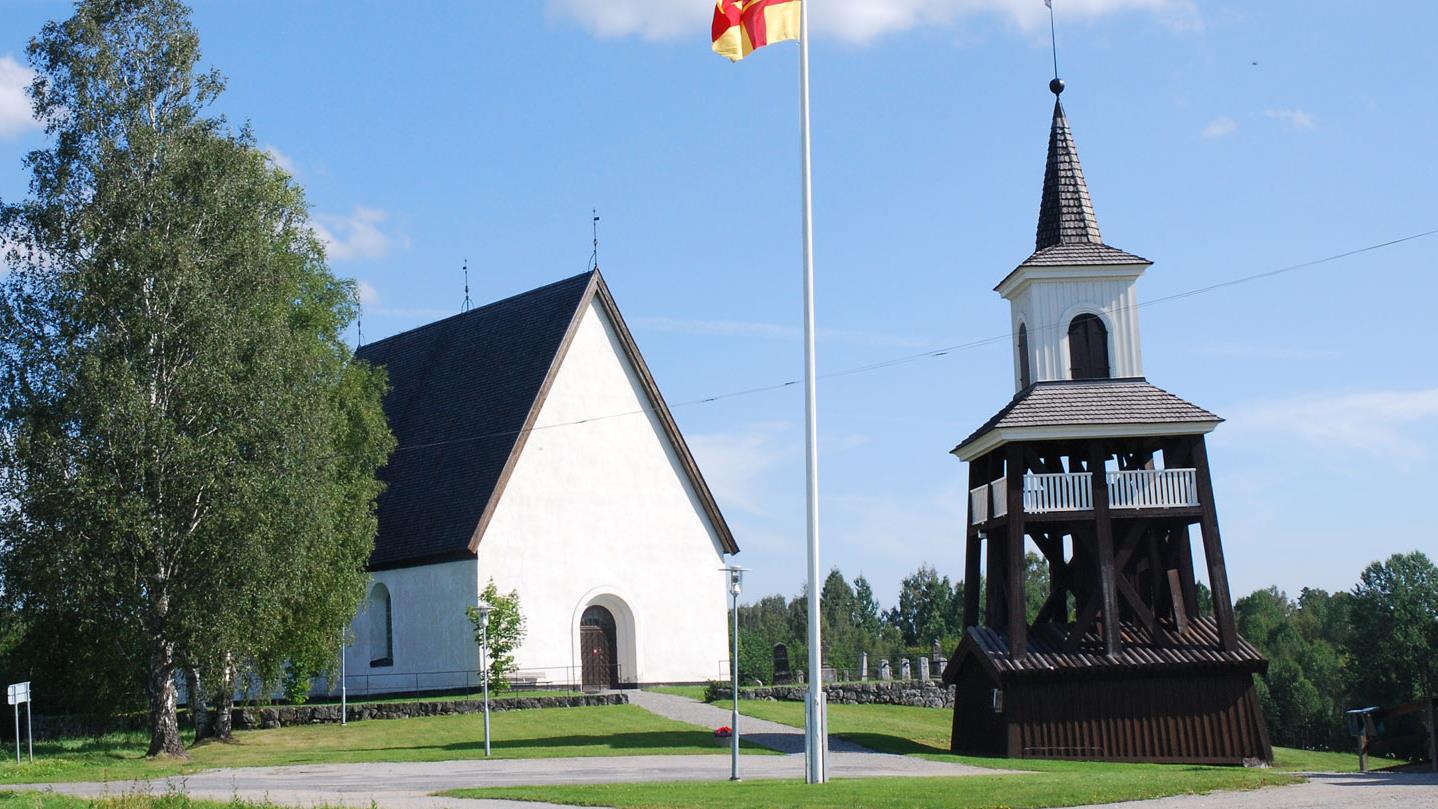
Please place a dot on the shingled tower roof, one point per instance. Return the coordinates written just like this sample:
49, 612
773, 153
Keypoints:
1066, 214
1068, 233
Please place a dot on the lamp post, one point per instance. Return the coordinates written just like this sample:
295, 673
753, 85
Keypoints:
483, 609
736, 585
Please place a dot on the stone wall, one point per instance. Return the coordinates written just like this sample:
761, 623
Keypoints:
279, 716
923, 694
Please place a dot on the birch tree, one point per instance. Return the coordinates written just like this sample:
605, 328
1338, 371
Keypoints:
189, 448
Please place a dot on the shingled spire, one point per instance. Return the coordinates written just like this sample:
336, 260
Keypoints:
1066, 214
1068, 233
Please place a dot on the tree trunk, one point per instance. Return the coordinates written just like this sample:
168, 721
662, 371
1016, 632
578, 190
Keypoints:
164, 721
224, 703
198, 710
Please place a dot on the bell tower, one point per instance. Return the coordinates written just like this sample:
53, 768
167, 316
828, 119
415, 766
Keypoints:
1074, 301
1105, 476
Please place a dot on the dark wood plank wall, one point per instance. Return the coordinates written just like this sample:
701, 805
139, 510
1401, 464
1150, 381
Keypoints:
1209, 718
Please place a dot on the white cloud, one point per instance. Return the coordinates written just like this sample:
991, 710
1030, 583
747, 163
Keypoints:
771, 331
1298, 119
1220, 127
367, 293
735, 463
356, 236
850, 20
1384, 422
15, 117
280, 159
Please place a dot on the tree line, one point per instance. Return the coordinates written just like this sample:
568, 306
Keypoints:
1376, 644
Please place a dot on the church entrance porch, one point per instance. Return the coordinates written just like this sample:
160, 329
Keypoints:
598, 643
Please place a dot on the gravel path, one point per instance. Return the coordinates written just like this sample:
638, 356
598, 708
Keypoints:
1323, 791
772, 735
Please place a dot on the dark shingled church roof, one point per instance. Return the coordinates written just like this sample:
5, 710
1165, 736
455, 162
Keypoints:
1068, 233
463, 392
1198, 647
1085, 402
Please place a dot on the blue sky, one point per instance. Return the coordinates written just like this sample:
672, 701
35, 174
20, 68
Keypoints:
1220, 139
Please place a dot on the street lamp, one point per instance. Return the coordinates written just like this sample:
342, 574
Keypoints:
483, 610
735, 576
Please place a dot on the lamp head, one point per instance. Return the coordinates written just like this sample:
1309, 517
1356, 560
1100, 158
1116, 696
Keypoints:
483, 608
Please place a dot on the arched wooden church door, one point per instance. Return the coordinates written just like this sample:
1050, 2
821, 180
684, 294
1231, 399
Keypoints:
599, 647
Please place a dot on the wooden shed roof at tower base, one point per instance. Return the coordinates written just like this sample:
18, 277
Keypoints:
464, 393
1087, 408
1197, 648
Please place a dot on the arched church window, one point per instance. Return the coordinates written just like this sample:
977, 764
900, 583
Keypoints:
381, 627
1088, 348
1025, 377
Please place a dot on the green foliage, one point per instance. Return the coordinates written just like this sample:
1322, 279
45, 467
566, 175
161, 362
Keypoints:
504, 633
191, 448
925, 611
1394, 640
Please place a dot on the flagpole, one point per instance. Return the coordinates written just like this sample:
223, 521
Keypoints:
816, 741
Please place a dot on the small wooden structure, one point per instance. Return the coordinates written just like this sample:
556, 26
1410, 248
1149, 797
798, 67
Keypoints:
1105, 474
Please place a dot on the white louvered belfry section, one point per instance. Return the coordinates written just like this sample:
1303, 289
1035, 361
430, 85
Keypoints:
1049, 493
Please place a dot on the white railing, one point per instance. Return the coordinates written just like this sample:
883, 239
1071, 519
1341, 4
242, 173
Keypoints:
1056, 492
1153, 488
979, 505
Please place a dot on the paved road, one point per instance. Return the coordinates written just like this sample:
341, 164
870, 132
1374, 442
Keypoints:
407, 785
1323, 791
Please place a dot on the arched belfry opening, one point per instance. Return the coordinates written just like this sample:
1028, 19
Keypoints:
1088, 348
599, 645
1026, 376
381, 627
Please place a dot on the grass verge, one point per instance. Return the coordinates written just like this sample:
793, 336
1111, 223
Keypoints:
617, 730
1086, 783
132, 800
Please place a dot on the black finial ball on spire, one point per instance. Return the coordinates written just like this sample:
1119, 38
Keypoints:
1056, 86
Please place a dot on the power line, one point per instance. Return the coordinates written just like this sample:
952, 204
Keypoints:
939, 352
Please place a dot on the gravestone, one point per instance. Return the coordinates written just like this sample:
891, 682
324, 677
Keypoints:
863, 665
939, 666
781, 665
937, 653
885, 673
906, 671
924, 669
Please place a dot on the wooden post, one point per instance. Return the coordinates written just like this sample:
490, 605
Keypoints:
972, 559
1433, 733
1363, 750
1213, 551
1014, 553
973, 555
1103, 531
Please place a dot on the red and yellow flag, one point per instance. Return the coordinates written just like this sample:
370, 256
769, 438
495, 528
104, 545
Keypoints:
743, 26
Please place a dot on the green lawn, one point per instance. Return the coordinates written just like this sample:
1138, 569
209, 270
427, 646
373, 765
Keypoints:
618, 730
1082, 784
925, 732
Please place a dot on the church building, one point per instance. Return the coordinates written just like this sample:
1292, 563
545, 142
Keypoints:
1105, 474
535, 451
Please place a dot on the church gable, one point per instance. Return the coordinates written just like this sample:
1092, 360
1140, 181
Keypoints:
465, 393
603, 446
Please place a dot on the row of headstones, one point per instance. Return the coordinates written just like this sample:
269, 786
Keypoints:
886, 671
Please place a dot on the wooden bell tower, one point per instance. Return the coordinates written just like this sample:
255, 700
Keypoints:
1107, 476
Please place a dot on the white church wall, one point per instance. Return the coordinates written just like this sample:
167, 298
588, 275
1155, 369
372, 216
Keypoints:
432, 642
1047, 306
602, 512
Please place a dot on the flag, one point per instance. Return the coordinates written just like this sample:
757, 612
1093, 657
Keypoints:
743, 26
